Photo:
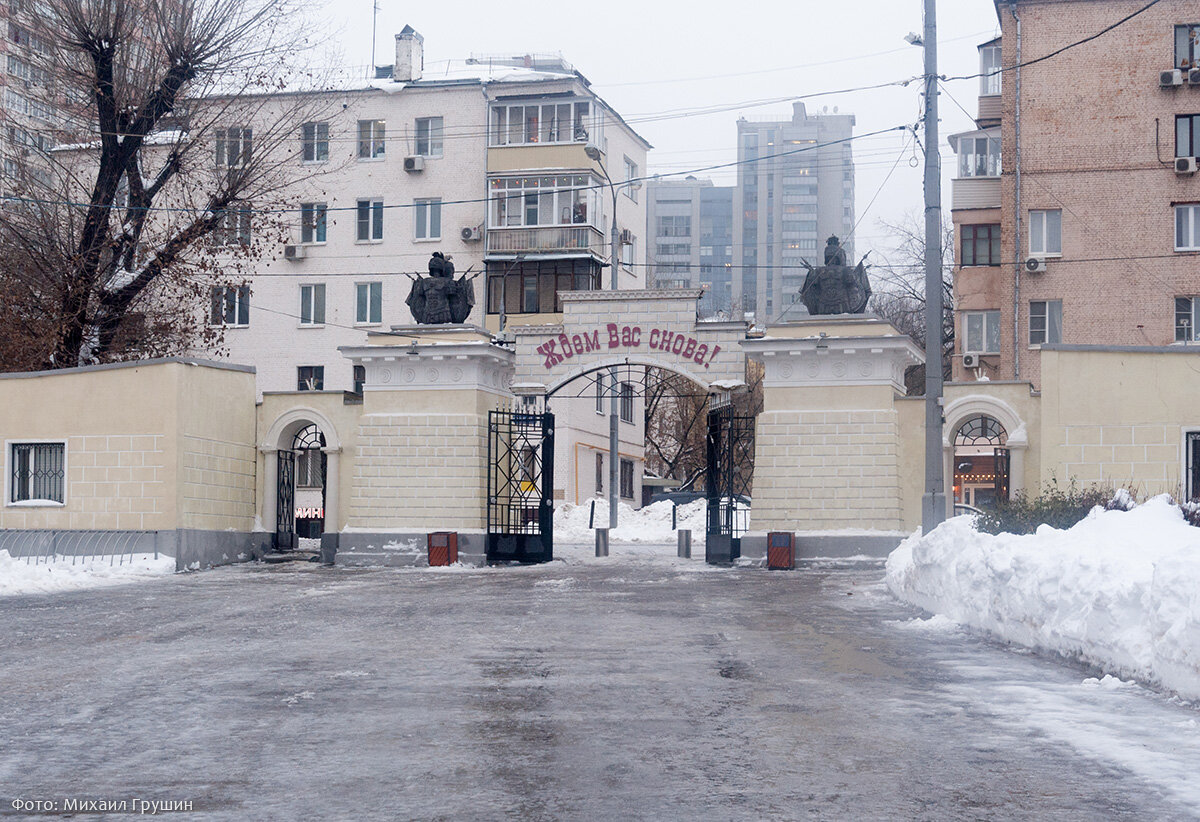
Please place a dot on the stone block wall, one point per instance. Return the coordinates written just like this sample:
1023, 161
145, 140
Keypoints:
1145, 457
217, 489
827, 470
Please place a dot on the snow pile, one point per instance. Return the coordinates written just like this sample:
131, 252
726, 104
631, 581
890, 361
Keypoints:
645, 525
1120, 590
43, 575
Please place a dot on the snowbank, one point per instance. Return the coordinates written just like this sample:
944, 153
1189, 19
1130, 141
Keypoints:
40, 577
645, 525
1120, 590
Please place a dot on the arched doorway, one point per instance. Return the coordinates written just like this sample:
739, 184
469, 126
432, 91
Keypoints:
301, 453
981, 462
308, 448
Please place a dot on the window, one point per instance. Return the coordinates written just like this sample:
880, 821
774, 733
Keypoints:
627, 479
600, 393
315, 139
360, 378
312, 305
310, 463
428, 218
1187, 135
628, 252
1187, 228
626, 402
1045, 233
531, 201
1187, 311
313, 222
370, 220
1187, 44
232, 226
979, 156
983, 332
540, 123
230, 306
371, 139
429, 136
38, 472
310, 378
599, 473
989, 69
234, 146
674, 226
368, 304
1045, 322
631, 173
529, 293
981, 245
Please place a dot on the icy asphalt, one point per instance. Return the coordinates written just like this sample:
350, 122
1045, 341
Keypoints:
637, 687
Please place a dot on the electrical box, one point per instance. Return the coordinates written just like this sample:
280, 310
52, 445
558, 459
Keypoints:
781, 551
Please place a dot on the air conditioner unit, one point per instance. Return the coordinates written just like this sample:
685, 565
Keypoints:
293, 252
1035, 265
1194, 77
1170, 78
471, 234
970, 360
626, 237
414, 163
1185, 165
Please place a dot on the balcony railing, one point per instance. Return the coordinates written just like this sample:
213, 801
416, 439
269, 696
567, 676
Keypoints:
548, 240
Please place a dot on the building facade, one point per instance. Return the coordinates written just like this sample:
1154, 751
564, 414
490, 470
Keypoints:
795, 189
689, 230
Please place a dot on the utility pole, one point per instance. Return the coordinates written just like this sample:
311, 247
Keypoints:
614, 436
933, 503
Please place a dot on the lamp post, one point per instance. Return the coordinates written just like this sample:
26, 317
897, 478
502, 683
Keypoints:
614, 462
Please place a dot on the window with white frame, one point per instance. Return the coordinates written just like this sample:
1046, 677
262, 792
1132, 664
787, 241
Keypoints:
233, 226
230, 305
989, 71
600, 393
525, 123
310, 378
1187, 46
982, 332
1187, 312
631, 173
370, 220
428, 217
979, 156
626, 402
1045, 322
543, 201
368, 303
234, 146
37, 472
313, 221
429, 136
312, 304
1187, 135
1187, 227
674, 226
371, 134
310, 468
314, 138
627, 479
1045, 233
628, 252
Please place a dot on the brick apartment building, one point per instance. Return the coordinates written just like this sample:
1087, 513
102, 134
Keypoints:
1076, 204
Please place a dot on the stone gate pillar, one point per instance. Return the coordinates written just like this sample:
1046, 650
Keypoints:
827, 440
420, 461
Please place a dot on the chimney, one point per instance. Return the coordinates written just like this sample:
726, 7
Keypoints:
410, 56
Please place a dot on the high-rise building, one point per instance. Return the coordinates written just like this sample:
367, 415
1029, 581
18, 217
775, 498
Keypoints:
689, 230
795, 189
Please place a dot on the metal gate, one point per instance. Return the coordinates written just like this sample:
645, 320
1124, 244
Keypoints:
520, 505
285, 502
1002, 470
730, 469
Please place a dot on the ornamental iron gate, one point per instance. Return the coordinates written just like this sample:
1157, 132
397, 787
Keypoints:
520, 506
1003, 461
285, 503
730, 470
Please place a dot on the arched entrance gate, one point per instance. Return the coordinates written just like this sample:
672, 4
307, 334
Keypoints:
609, 339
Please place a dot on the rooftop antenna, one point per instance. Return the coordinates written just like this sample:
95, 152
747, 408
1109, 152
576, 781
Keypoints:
374, 24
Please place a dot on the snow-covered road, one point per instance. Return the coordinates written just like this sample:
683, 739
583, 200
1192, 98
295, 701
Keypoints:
637, 687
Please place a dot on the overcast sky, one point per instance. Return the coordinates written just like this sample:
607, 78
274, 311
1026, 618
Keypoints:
653, 60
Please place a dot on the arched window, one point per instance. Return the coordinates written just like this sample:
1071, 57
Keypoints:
981, 462
310, 459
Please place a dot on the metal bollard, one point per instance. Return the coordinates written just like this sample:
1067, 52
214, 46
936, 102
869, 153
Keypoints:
601, 542
684, 536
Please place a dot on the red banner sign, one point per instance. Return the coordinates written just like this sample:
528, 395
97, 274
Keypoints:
626, 338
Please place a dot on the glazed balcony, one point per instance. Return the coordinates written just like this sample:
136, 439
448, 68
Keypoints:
572, 240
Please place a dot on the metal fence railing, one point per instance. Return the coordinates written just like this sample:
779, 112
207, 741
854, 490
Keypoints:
49, 547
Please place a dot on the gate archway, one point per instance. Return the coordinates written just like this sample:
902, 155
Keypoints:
302, 452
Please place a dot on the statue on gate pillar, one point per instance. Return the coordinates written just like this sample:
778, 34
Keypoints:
439, 298
836, 288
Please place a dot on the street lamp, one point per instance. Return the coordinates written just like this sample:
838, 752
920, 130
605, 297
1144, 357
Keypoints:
595, 155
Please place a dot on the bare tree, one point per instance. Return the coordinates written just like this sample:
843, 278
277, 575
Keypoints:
899, 286
174, 131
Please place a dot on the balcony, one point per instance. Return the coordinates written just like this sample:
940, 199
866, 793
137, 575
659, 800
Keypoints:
566, 240
975, 192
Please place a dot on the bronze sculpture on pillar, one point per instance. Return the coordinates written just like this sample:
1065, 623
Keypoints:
440, 299
836, 288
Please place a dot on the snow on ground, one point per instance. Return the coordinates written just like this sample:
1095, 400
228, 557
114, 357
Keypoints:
1119, 590
41, 575
651, 524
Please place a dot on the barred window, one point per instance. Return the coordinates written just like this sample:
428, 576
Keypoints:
37, 472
